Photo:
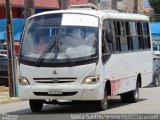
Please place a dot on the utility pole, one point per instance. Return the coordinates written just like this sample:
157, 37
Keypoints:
29, 8
63, 4
11, 54
135, 6
114, 4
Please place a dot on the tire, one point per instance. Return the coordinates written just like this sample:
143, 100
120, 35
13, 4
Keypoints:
36, 105
132, 96
124, 97
102, 104
156, 80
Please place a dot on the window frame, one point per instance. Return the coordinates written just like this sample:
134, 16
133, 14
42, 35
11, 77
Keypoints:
115, 27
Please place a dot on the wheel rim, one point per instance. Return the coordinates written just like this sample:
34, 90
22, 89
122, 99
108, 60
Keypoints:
157, 82
105, 100
137, 93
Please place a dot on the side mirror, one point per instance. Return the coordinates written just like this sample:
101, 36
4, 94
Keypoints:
109, 36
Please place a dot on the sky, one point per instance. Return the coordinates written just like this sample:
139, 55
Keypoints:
146, 3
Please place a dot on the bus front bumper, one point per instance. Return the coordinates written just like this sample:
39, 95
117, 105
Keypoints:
61, 92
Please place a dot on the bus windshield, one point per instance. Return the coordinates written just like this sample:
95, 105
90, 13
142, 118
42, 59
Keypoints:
50, 38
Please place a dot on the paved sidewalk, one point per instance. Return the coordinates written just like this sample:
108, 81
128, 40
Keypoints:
4, 96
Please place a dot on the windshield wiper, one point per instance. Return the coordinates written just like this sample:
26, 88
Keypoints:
61, 48
63, 51
50, 47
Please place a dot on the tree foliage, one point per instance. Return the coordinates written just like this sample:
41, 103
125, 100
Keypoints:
155, 4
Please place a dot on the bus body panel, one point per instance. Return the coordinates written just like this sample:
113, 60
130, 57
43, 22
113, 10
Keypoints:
84, 92
93, 92
123, 69
40, 74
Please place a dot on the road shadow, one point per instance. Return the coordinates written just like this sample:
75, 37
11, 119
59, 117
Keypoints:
116, 103
72, 109
152, 86
58, 109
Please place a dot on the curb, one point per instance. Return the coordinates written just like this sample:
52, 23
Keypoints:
9, 100
2, 88
4, 98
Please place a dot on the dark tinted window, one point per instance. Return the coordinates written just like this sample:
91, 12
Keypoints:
146, 36
129, 35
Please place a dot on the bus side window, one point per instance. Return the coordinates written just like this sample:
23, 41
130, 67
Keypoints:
106, 46
129, 38
104, 43
114, 44
140, 34
134, 36
117, 35
146, 36
123, 37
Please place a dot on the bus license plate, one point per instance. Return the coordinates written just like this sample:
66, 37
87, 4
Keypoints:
55, 92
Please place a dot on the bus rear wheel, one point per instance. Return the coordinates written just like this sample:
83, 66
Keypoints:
132, 96
156, 80
102, 104
36, 105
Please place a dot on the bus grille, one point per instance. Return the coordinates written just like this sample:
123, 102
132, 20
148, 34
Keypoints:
54, 80
63, 94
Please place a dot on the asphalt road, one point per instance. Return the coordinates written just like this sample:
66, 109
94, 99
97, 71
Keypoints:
149, 103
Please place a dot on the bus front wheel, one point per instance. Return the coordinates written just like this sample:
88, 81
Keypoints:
36, 105
102, 104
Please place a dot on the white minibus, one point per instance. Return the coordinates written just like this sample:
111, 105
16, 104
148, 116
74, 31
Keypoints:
84, 55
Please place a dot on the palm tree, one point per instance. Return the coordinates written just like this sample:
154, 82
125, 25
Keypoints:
114, 4
63, 4
29, 8
135, 6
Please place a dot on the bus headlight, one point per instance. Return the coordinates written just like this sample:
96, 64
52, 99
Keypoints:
23, 81
91, 80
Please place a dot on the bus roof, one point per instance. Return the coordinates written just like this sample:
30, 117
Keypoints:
103, 14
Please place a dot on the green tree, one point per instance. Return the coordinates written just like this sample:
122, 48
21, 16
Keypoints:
155, 4
135, 6
114, 4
